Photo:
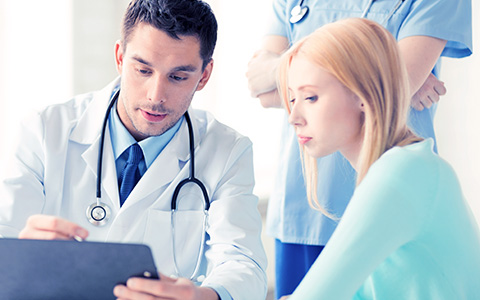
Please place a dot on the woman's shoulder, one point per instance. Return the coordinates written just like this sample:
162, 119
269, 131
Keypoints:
418, 159
412, 176
415, 169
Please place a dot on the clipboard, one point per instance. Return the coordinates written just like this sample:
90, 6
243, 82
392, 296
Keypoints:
40, 269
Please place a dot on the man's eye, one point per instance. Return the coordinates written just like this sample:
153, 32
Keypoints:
177, 78
144, 71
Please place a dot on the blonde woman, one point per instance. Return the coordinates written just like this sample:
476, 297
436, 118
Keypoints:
407, 232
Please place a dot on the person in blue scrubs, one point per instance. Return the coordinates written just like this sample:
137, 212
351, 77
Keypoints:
408, 232
425, 30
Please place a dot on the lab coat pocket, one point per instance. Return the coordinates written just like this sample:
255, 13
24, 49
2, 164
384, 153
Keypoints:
183, 232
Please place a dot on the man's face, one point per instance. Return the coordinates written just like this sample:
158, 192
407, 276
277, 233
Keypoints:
160, 75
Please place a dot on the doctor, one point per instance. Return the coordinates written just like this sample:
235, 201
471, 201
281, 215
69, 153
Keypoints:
163, 58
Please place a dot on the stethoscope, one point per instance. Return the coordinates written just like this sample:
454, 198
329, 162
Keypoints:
300, 11
98, 213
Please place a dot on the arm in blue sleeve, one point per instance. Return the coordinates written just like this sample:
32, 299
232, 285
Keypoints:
444, 19
277, 25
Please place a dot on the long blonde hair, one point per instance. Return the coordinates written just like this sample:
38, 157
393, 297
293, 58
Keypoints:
365, 58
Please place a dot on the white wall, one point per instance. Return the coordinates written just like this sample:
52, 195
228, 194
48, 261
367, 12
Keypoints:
458, 117
241, 28
96, 28
35, 60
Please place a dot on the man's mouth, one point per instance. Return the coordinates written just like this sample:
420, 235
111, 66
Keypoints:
154, 117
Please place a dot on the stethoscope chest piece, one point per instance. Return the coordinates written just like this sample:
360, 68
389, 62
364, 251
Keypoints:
298, 13
98, 213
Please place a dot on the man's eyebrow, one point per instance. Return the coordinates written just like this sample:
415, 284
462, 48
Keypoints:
142, 61
187, 68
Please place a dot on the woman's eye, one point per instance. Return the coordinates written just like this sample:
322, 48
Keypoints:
312, 98
291, 100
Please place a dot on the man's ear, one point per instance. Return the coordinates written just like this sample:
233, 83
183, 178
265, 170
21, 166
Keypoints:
119, 56
205, 76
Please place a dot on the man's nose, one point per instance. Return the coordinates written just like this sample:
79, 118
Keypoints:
157, 91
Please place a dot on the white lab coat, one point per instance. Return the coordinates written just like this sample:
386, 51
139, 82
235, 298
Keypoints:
54, 173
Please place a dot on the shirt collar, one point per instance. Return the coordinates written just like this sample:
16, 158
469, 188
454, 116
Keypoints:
151, 146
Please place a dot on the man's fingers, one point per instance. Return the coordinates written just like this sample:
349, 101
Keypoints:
139, 288
165, 278
50, 227
427, 102
433, 97
62, 226
429, 93
417, 105
165, 288
440, 88
42, 235
255, 55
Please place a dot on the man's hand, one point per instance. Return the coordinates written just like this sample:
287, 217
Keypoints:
165, 288
261, 72
42, 227
429, 93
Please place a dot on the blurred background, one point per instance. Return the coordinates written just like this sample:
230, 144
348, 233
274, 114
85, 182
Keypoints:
51, 50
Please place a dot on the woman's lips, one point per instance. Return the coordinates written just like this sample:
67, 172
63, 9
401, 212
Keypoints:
303, 139
153, 117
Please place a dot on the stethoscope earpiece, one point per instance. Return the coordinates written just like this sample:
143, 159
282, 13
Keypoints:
298, 13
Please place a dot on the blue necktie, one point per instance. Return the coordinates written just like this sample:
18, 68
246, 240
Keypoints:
130, 174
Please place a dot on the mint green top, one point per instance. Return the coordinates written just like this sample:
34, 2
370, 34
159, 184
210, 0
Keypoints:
408, 233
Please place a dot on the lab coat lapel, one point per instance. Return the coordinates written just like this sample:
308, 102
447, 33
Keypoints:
109, 173
89, 124
87, 132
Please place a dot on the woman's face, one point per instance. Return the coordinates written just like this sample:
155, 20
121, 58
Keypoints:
326, 115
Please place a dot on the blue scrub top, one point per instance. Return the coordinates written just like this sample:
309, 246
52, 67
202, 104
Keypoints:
290, 219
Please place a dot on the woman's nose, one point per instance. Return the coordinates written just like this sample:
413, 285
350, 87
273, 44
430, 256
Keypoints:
295, 118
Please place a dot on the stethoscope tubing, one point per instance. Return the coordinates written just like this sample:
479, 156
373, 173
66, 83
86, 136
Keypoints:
367, 8
190, 179
102, 140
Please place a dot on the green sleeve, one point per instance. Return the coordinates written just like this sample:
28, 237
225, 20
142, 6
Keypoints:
384, 213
